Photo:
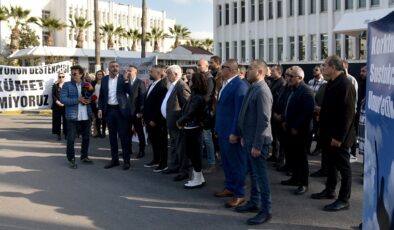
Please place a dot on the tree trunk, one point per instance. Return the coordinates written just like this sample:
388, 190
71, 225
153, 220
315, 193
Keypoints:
176, 44
97, 38
15, 36
110, 44
80, 39
134, 46
143, 29
50, 39
156, 47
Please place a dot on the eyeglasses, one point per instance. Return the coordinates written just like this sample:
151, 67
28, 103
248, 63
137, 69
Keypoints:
189, 73
224, 66
62, 76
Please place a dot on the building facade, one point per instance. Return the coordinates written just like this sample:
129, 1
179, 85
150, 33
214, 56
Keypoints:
293, 31
125, 16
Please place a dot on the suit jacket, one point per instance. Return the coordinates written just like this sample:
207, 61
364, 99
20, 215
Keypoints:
152, 103
300, 109
254, 118
177, 99
122, 91
228, 107
137, 96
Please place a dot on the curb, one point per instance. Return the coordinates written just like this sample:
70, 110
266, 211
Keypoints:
33, 112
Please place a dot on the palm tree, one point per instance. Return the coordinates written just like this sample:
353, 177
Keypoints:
110, 31
4, 14
194, 43
207, 44
134, 36
143, 29
80, 24
51, 25
19, 17
156, 35
179, 32
97, 38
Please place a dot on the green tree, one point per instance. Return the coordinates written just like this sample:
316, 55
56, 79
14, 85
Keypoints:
18, 17
156, 35
179, 32
51, 25
194, 43
134, 36
110, 32
80, 24
28, 37
4, 14
207, 44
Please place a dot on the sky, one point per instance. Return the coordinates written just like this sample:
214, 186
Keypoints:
196, 15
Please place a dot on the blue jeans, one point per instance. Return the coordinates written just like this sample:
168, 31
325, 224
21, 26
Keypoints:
71, 133
207, 138
260, 187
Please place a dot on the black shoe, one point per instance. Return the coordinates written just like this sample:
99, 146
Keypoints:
283, 168
323, 195
181, 176
248, 207
319, 173
301, 190
159, 168
72, 164
290, 182
151, 164
86, 160
260, 218
140, 154
126, 166
169, 171
337, 206
111, 164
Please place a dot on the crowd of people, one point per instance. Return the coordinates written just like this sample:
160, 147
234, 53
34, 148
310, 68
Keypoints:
244, 116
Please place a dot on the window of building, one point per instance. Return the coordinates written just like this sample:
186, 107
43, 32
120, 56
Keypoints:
227, 14
313, 46
270, 10
235, 12
324, 45
279, 40
243, 51
235, 49
242, 11
292, 47
279, 9
227, 54
349, 42
301, 7
337, 5
45, 35
301, 47
375, 2
363, 45
391, 1
45, 14
270, 49
348, 4
338, 45
362, 3
291, 7
313, 6
253, 49
219, 15
261, 10
323, 5
252, 9
261, 49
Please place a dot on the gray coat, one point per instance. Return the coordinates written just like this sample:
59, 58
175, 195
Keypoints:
255, 115
177, 99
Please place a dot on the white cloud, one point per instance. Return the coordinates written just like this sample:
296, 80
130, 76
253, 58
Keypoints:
201, 35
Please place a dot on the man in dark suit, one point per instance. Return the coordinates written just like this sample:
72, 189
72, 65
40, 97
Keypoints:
136, 97
297, 124
255, 129
115, 107
171, 109
226, 126
154, 122
337, 132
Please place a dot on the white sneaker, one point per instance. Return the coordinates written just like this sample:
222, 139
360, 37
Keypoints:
196, 182
353, 159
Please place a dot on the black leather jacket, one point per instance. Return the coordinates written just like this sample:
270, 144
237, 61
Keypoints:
192, 111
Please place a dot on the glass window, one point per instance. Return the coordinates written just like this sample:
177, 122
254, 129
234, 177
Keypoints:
242, 11
362, 3
227, 54
261, 49
261, 9
301, 47
349, 42
348, 4
45, 35
235, 13
280, 48
375, 2
337, 5
253, 49
279, 9
292, 48
391, 1
270, 49
45, 14
220, 49
227, 15
291, 7
338, 45
270, 10
219, 15
243, 51
363, 45
313, 47
313, 6
252, 9
235, 51
324, 45
301, 7
324, 5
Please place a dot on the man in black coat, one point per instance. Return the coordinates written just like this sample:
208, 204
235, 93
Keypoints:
337, 132
136, 97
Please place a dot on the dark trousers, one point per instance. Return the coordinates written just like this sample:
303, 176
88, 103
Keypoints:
299, 160
101, 126
118, 125
58, 115
192, 140
158, 138
72, 132
275, 138
137, 124
338, 160
177, 158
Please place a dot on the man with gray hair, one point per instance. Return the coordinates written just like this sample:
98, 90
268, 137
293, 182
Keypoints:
171, 108
297, 124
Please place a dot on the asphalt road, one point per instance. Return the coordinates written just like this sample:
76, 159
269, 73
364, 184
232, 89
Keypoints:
39, 191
